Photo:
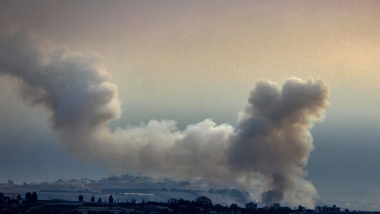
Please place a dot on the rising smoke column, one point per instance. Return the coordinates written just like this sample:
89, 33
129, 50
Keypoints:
272, 140
273, 137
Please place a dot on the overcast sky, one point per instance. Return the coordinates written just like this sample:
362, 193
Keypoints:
192, 60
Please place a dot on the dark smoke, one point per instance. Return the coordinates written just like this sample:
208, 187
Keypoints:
270, 146
276, 194
272, 196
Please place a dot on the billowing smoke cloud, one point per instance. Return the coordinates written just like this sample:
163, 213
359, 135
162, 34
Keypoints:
274, 139
272, 142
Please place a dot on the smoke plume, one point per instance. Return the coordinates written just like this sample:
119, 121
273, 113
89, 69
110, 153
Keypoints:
271, 143
273, 136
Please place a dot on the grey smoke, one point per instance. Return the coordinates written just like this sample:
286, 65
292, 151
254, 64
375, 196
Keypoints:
272, 142
75, 86
273, 136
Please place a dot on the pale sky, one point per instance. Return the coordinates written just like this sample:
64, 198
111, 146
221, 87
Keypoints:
192, 60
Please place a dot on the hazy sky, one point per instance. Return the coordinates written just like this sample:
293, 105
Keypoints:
192, 60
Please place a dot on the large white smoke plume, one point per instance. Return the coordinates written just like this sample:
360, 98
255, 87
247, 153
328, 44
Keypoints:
272, 141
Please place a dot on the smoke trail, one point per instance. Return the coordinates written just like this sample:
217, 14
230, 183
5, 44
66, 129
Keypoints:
272, 140
75, 86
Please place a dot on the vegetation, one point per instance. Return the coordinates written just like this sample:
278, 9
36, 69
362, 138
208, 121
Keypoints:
80, 198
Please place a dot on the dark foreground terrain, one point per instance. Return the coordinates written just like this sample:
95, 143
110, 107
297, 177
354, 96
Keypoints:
174, 206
